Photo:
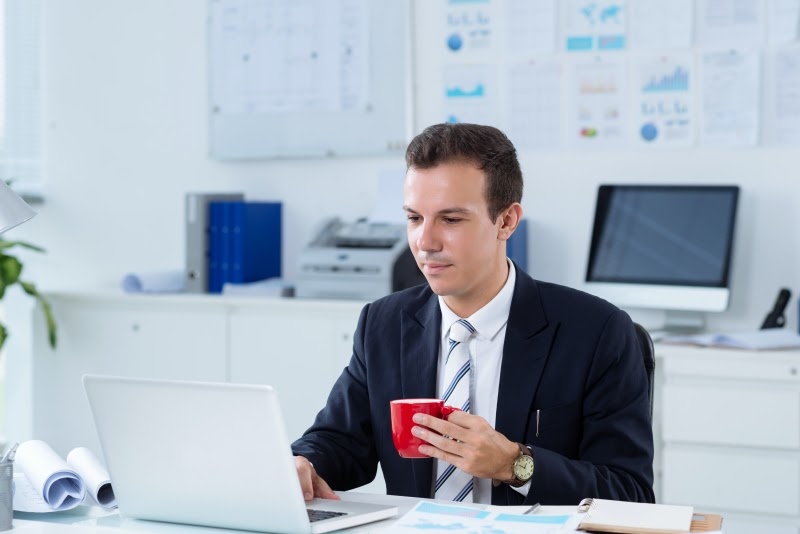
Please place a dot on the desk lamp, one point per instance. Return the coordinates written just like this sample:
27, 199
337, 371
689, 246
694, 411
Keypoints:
13, 210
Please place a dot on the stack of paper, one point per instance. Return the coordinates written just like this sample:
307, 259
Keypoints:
771, 338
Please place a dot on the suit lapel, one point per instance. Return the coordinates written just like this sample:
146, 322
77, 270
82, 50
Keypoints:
419, 357
527, 345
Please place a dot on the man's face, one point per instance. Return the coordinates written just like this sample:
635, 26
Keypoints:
454, 242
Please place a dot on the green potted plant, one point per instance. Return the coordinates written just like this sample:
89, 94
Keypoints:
10, 271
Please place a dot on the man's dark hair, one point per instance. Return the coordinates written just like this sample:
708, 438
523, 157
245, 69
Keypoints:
485, 146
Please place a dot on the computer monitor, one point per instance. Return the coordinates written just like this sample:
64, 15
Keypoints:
666, 247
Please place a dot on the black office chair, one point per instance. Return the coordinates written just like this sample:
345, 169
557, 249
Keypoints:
649, 355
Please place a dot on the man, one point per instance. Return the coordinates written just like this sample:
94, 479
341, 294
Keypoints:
556, 396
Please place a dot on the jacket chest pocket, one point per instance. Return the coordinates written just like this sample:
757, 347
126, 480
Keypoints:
557, 428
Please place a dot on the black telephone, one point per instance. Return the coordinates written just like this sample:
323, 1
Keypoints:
775, 318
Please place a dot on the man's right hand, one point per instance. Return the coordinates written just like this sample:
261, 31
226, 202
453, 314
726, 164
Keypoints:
310, 482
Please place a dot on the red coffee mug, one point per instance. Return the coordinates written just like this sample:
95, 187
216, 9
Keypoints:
403, 410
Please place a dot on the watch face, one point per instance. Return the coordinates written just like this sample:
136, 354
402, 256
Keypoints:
523, 468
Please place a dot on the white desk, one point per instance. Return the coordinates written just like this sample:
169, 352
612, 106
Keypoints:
98, 521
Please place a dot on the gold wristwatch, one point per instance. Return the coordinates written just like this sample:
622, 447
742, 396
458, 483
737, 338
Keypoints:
522, 468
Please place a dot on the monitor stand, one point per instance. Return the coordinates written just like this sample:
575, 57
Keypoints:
680, 323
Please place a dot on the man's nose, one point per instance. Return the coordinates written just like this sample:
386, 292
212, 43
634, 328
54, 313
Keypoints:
427, 237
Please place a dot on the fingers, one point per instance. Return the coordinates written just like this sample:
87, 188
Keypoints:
465, 441
322, 490
466, 420
457, 426
447, 440
311, 483
444, 443
306, 474
435, 452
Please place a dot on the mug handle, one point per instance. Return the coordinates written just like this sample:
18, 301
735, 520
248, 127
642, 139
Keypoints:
447, 410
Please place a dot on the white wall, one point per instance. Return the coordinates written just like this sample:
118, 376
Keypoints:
126, 137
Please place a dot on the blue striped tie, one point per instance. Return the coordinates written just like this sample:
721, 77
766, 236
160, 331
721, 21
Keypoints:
453, 484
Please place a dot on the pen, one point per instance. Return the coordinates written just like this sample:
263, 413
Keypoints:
533, 509
9, 455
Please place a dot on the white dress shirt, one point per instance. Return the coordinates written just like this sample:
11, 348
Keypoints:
486, 357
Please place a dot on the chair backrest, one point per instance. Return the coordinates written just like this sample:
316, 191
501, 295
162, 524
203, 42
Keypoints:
648, 353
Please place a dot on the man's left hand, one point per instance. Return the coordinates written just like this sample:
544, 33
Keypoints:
468, 442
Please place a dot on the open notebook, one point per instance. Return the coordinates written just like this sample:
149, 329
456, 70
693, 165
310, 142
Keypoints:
603, 515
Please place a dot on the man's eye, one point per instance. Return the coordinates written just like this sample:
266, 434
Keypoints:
413, 218
451, 220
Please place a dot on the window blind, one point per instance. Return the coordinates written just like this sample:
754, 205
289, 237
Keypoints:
21, 95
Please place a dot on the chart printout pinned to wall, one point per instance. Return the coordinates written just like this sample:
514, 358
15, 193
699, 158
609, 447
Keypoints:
784, 21
665, 114
531, 27
533, 106
594, 25
783, 115
470, 94
286, 77
471, 29
730, 98
659, 25
731, 23
596, 103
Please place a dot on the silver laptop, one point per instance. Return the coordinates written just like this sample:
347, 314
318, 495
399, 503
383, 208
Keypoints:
208, 454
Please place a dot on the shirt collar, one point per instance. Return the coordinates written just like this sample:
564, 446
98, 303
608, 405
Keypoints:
489, 320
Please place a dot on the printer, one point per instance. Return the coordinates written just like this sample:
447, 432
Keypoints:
361, 260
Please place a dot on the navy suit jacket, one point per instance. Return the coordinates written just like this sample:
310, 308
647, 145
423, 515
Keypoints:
570, 357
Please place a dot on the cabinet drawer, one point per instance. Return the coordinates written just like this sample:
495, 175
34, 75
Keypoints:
712, 479
731, 415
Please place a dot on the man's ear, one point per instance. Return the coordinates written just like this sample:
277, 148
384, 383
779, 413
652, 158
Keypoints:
509, 220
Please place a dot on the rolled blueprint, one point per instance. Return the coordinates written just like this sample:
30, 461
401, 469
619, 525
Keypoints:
94, 475
49, 476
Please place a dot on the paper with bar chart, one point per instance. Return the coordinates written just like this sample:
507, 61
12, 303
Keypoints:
596, 103
470, 94
664, 116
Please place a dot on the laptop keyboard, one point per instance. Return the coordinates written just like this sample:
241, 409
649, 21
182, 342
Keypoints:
320, 515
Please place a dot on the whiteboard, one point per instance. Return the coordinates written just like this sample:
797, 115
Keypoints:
280, 84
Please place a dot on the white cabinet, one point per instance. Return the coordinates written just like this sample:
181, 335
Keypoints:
119, 337
300, 351
730, 435
298, 346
